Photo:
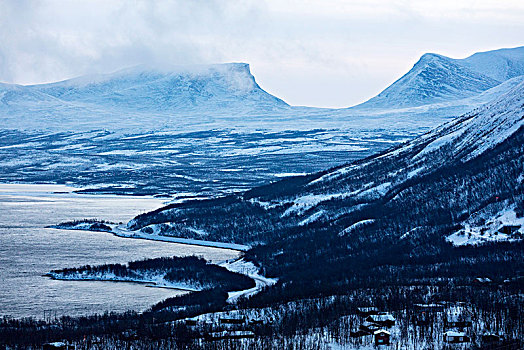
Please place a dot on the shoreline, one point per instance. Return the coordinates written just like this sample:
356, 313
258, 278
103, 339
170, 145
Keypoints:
188, 241
150, 284
120, 231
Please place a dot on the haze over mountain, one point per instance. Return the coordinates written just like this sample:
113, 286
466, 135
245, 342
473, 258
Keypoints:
141, 93
210, 87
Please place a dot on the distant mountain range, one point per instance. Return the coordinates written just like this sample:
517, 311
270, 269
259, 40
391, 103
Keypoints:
221, 95
211, 129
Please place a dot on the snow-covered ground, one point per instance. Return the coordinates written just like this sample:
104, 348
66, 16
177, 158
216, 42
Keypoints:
151, 280
122, 231
473, 234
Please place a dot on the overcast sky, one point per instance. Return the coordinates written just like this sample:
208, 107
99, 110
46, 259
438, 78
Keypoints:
329, 53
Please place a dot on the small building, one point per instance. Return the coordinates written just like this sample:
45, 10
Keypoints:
456, 337
383, 319
482, 280
232, 319
382, 337
369, 327
366, 311
56, 345
510, 230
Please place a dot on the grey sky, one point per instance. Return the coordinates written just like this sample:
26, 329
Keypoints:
310, 52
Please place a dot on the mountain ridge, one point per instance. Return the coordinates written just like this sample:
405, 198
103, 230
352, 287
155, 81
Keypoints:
501, 64
205, 89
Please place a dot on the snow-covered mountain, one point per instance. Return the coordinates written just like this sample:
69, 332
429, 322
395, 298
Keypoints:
137, 94
437, 79
203, 97
179, 88
501, 65
115, 130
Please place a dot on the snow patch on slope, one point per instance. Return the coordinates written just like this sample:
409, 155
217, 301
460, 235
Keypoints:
491, 231
312, 218
355, 226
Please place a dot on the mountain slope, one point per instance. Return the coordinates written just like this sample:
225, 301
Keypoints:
501, 65
432, 79
430, 212
472, 160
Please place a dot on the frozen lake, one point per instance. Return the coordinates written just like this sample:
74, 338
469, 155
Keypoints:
28, 250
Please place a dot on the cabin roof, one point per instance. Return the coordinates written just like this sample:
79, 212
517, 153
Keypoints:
454, 334
367, 308
483, 279
382, 318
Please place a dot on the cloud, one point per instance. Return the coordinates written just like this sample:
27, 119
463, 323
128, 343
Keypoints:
46, 39
309, 52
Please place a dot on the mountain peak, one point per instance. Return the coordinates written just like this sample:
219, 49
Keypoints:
204, 90
434, 78
429, 56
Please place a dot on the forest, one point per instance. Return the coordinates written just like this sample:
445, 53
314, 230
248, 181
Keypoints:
189, 270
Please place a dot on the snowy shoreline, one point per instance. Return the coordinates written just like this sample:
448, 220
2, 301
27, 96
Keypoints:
121, 231
238, 265
146, 282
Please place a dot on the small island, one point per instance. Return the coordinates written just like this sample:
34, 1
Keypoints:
86, 225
